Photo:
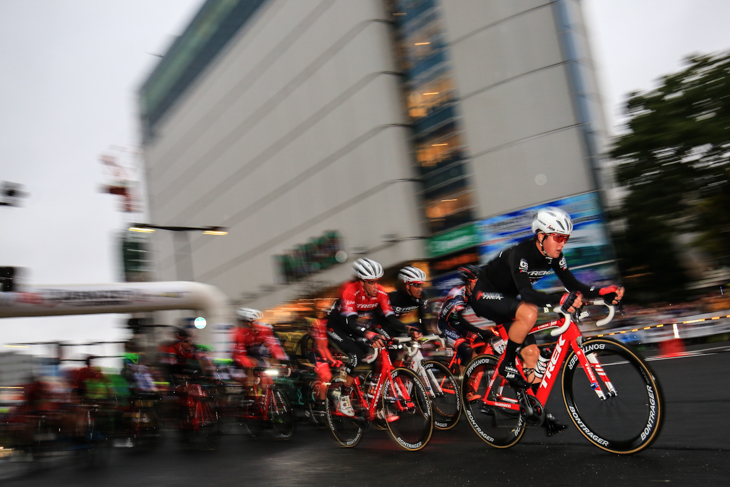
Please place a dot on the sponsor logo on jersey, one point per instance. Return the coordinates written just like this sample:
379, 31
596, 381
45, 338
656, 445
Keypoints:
563, 264
523, 265
489, 295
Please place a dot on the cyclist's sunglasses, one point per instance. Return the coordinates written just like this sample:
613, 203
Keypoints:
560, 238
415, 284
371, 282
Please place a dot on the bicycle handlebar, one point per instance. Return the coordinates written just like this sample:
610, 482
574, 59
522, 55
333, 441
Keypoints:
395, 343
433, 338
568, 318
611, 312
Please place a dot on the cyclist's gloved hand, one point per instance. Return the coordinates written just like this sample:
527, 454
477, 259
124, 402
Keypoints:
486, 335
571, 301
376, 341
336, 363
611, 294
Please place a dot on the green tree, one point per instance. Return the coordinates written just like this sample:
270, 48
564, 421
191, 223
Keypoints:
673, 162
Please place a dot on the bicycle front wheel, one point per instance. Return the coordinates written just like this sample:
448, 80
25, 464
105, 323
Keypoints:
624, 415
281, 415
445, 395
498, 426
407, 409
347, 430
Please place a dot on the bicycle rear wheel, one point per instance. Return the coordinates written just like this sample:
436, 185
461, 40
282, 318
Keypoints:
346, 430
407, 409
445, 397
629, 418
281, 415
500, 427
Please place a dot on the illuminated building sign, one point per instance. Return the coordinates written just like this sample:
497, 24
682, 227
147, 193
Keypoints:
453, 241
319, 254
454, 261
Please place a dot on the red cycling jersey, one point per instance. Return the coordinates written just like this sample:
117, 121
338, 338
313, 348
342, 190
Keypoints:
355, 301
175, 354
245, 339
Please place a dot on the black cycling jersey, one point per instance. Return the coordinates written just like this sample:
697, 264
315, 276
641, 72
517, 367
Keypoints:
409, 311
451, 316
516, 269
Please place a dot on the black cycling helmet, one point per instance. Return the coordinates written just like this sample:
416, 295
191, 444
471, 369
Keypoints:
183, 334
469, 272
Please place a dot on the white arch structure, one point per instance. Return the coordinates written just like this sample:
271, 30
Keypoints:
57, 300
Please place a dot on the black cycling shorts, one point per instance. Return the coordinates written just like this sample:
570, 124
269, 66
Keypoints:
351, 345
498, 307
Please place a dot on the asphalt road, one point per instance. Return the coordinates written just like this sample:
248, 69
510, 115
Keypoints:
692, 449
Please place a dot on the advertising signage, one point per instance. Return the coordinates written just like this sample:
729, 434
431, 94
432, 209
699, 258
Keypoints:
317, 255
455, 240
588, 252
454, 260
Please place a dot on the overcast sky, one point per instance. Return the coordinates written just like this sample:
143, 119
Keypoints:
69, 75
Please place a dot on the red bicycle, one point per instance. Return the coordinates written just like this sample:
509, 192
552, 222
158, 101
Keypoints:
266, 407
199, 421
397, 398
611, 394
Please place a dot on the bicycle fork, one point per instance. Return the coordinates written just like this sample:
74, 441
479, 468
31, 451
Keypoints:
593, 367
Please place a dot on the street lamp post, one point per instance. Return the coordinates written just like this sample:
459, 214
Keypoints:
182, 242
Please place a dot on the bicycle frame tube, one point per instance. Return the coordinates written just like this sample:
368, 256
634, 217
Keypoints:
386, 366
565, 341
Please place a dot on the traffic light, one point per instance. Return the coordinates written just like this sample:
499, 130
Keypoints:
7, 278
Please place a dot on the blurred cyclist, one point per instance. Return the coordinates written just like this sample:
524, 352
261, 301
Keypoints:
182, 358
459, 333
350, 320
89, 382
254, 343
321, 356
512, 274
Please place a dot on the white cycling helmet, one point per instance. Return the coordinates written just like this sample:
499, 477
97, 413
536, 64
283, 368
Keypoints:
552, 220
249, 314
412, 274
367, 269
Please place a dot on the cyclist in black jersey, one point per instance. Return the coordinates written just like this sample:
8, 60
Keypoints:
451, 321
513, 273
408, 304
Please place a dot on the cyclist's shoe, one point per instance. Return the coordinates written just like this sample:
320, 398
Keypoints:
552, 425
514, 377
389, 418
344, 406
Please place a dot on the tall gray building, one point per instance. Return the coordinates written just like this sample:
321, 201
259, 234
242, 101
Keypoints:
319, 131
